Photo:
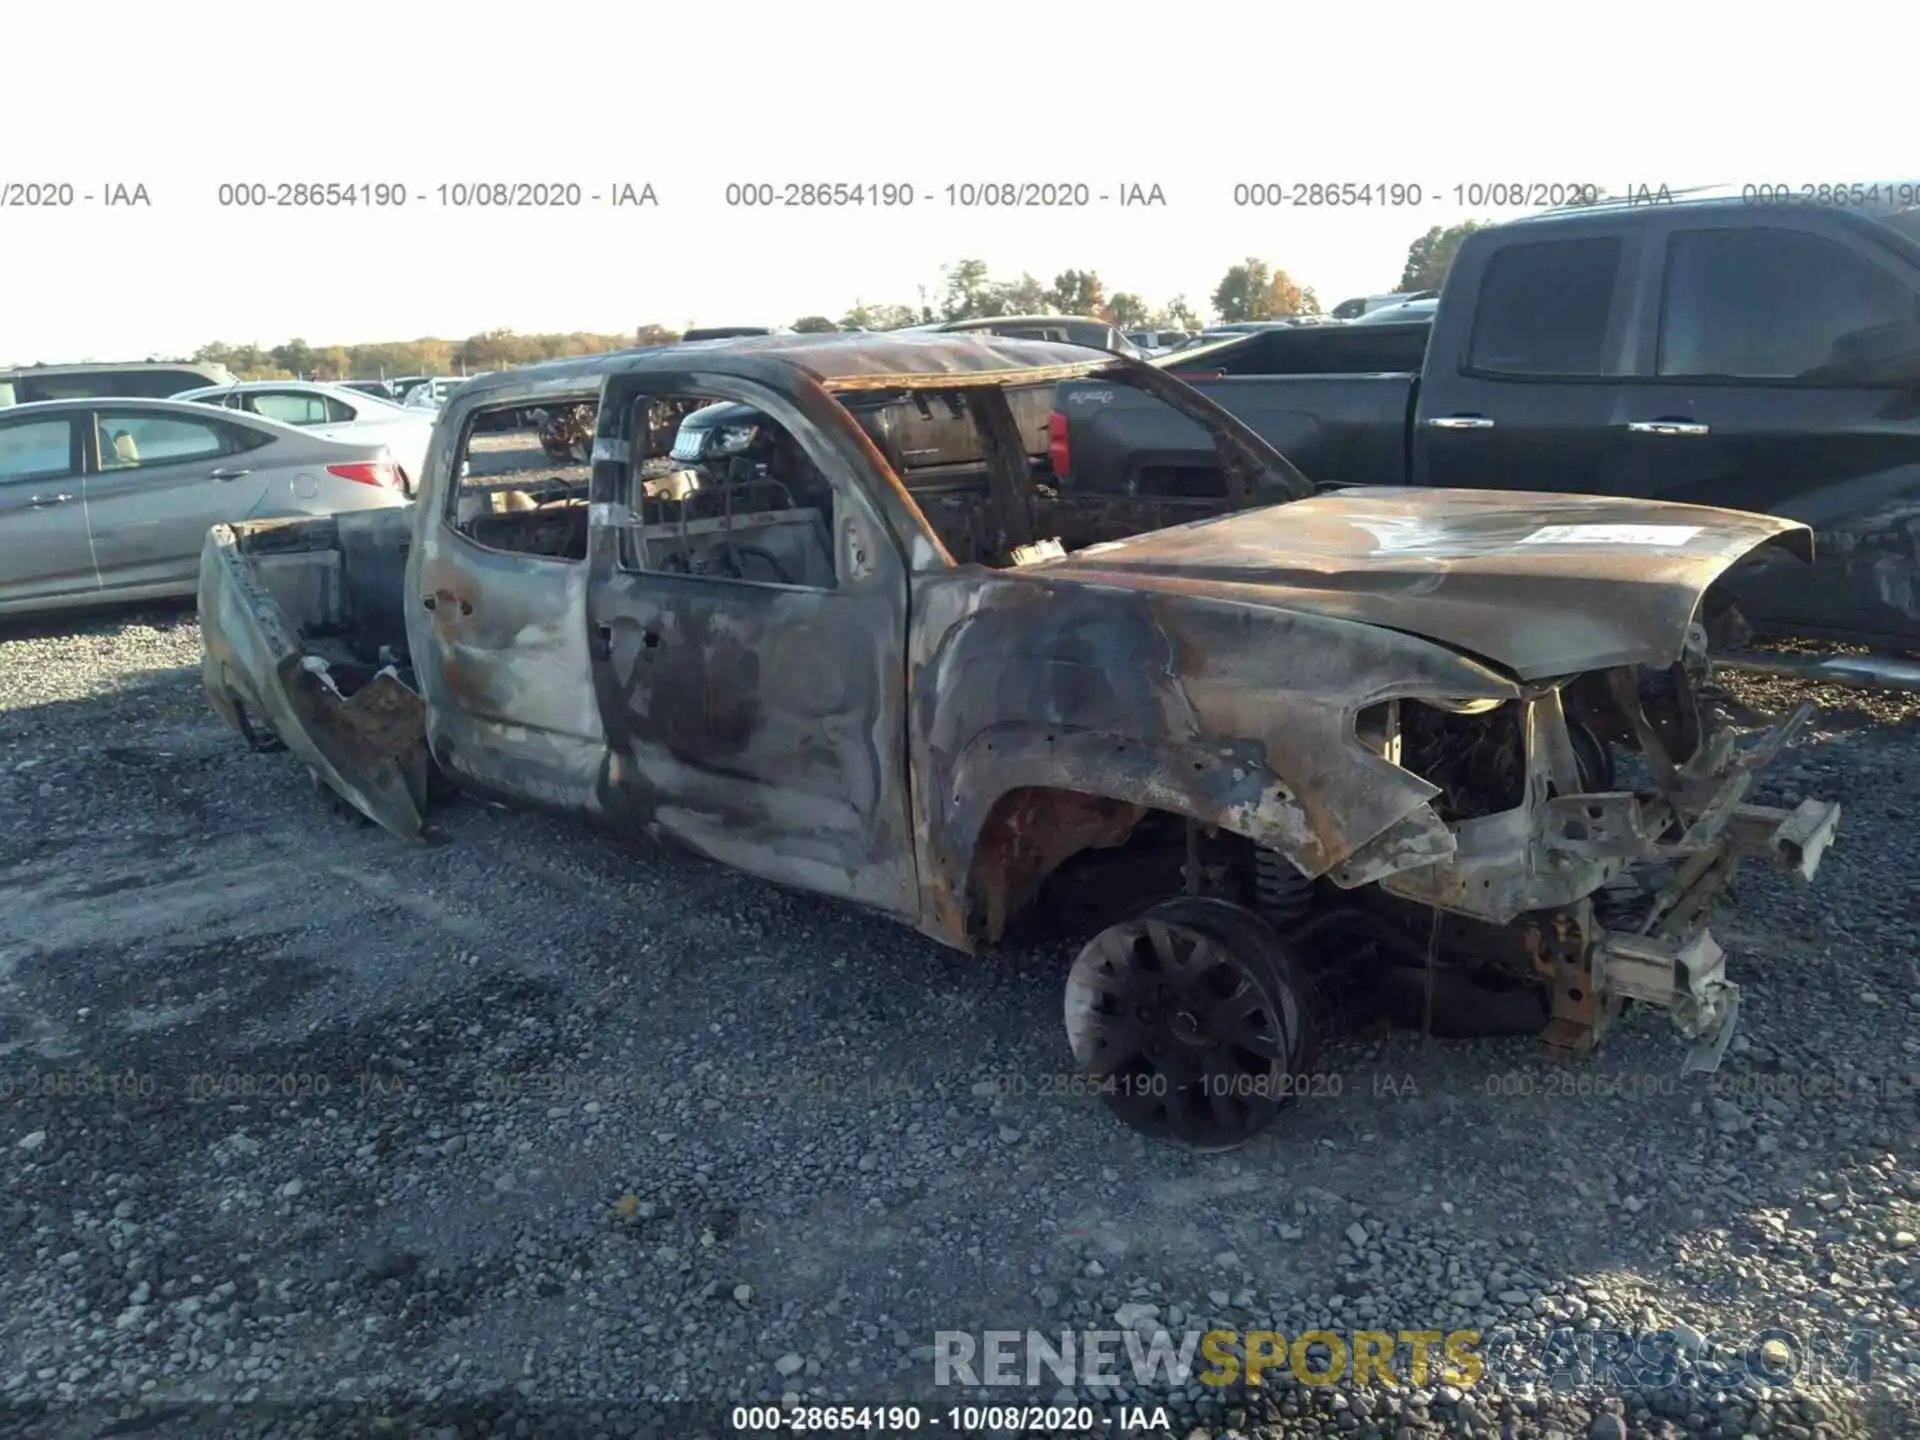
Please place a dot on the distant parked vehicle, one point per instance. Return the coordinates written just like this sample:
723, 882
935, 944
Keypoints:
332, 410
1058, 329
432, 393
1158, 342
32, 384
110, 500
379, 389
1366, 304
404, 385
725, 332
1419, 308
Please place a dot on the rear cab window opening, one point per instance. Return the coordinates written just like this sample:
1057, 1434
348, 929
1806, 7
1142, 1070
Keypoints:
726, 492
512, 493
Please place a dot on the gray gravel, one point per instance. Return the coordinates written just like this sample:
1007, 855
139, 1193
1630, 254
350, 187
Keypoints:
572, 1135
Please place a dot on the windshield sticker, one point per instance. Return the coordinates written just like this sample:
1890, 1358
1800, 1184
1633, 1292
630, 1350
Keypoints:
1665, 536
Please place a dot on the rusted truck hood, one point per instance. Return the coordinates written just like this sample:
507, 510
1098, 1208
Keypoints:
1541, 585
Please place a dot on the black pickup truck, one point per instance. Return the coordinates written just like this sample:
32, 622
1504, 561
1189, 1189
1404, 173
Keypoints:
1757, 356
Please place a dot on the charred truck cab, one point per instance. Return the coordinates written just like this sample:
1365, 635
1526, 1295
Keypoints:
1241, 749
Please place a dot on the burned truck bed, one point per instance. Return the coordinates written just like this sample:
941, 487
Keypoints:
320, 604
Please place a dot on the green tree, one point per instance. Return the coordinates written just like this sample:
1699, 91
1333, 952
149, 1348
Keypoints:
1242, 293
969, 291
814, 325
1431, 256
1025, 296
654, 335
1127, 310
879, 317
1076, 292
1177, 314
1285, 298
295, 357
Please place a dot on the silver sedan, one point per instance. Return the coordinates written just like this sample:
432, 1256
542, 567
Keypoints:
333, 411
103, 501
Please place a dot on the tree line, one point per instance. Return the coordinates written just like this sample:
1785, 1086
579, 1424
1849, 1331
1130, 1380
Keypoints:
1254, 289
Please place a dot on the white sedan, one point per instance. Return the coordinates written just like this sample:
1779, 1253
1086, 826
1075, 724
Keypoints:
334, 411
433, 393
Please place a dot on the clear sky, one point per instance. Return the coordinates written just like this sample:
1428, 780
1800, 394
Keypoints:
1193, 98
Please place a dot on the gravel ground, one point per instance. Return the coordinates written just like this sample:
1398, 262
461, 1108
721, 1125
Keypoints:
568, 1135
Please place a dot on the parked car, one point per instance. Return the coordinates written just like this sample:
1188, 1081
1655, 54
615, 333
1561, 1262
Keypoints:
432, 393
379, 389
404, 385
1055, 329
331, 410
1158, 342
1366, 304
1709, 351
109, 500
1420, 308
1241, 753
32, 384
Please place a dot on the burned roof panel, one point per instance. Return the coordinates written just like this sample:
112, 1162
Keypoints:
861, 360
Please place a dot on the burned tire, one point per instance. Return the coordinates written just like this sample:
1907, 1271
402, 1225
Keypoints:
1193, 1021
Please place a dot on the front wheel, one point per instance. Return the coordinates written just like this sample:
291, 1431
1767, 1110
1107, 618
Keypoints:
1193, 1021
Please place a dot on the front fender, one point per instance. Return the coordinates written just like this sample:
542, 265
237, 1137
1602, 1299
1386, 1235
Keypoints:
1216, 785
1025, 797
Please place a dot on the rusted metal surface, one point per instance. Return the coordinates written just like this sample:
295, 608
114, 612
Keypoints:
1529, 581
880, 720
1022, 679
362, 746
847, 361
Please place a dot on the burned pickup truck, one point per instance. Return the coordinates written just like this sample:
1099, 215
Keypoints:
1250, 744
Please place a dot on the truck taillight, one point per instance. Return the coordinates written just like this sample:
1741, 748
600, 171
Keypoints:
372, 473
1057, 451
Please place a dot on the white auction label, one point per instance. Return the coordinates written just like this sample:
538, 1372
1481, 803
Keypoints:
1662, 535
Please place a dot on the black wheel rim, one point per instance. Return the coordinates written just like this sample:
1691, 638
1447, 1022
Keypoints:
1184, 1039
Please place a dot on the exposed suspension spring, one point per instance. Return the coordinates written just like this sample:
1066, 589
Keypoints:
1284, 895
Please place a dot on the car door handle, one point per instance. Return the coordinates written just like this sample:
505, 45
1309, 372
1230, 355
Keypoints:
1666, 427
41, 502
1460, 422
229, 472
